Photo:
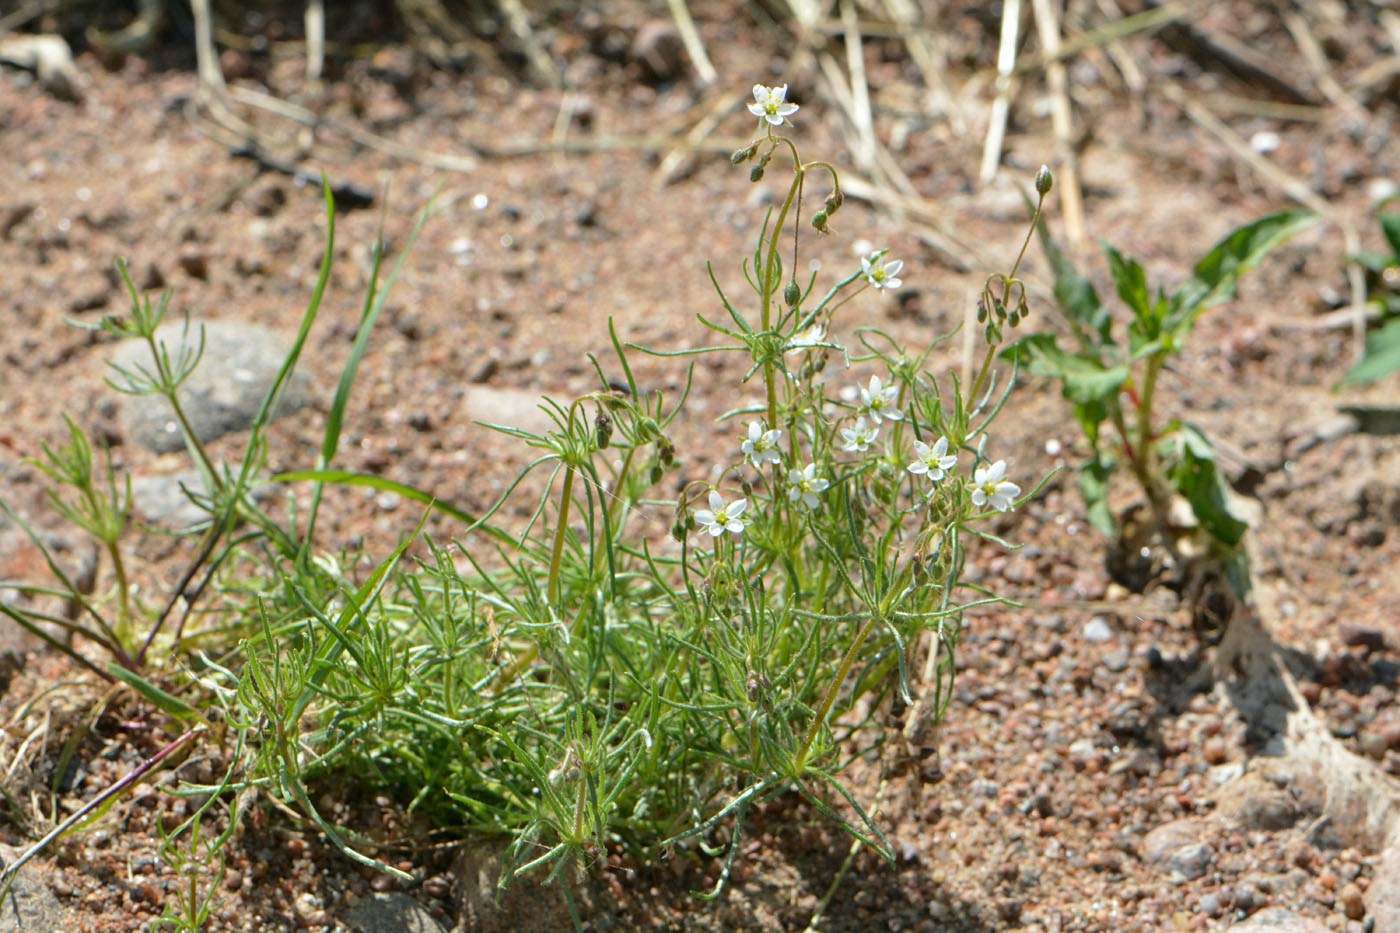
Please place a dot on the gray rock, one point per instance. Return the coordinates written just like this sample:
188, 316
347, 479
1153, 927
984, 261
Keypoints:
1254, 802
514, 408
1278, 920
224, 393
1383, 896
163, 500
30, 905
391, 913
1176, 848
1098, 630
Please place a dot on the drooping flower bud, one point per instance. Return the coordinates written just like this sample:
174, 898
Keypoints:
792, 294
666, 451
1044, 181
756, 173
602, 429
819, 221
741, 156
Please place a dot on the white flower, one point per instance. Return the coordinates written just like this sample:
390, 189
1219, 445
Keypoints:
804, 484
880, 273
770, 104
857, 439
762, 446
935, 462
719, 518
991, 488
806, 339
879, 400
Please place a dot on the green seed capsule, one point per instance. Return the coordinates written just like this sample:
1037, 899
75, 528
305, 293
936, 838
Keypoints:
792, 294
756, 173
1044, 181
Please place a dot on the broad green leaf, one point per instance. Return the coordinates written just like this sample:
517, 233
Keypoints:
1131, 282
1382, 355
1090, 415
1216, 276
1201, 483
1390, 226
1084, 379
1093, 484
1076, 295
165, 702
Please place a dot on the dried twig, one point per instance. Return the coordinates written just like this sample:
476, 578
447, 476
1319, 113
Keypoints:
927, 51
315, 41
690, 37
1001, 106
1316, 61
519, 22
861, 114
1120, 27
1047, 24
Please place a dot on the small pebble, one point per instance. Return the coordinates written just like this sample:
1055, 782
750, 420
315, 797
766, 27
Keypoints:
1098, 630
1353, 905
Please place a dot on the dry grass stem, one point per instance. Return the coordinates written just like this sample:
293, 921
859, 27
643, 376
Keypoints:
1001, 106
694, 47
1071, 199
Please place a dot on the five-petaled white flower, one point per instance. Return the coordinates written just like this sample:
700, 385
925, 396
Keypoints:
934, 462
762, 446
806, 339
879, 400
857, 439
770, 104
719, 517
804, 484
989, 487
880, 273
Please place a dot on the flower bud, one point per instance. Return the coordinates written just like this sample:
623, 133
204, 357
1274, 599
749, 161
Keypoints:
1014, 319
833, 203
657, 471
741, 156
982, 310
792, 294
819, 221
602, 429
1044, 181
747, 487
756, 173
666, 451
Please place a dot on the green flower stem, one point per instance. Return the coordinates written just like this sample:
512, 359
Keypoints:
557, 556
170, 393
829, 698
770, 285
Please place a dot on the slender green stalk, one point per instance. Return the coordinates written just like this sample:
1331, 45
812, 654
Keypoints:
556, 558
829, 698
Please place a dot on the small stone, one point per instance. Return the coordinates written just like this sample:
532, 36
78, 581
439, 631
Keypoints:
1210, 904
1390, 731
1358, 635
1214, 750
1374, 744
659, 51
1353, 904
1098, 630
195, 263
1176, 848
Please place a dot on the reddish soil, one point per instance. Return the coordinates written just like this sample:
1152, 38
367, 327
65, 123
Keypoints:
1059, 754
